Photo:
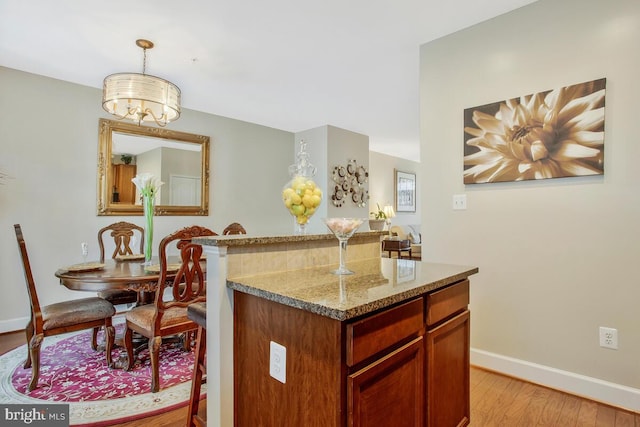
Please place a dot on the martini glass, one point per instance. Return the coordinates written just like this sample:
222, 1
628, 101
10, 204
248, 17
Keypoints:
343, 229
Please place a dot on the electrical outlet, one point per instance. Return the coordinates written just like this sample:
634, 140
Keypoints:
278, 362
459, 202
608, 338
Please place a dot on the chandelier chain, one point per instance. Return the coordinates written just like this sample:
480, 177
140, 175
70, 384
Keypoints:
144, 60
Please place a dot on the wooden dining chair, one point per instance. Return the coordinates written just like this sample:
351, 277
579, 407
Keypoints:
122, 233
61, 317
168, 314
234, 228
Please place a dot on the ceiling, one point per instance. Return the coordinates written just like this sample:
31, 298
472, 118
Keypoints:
288, 64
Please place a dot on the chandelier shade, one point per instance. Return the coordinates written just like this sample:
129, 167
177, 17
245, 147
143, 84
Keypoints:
141, 97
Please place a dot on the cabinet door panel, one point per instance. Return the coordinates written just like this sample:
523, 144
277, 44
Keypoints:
122, 184
448, 373
390, 391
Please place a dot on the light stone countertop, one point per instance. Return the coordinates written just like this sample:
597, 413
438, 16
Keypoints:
376, 284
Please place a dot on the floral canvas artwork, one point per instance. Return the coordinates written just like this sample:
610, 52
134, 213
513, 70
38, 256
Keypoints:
551, 134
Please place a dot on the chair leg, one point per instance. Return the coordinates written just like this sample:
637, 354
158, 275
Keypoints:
187, 339
128, 346
94, 338
193, 420
34, 352
29, 332
110, 332
154, 350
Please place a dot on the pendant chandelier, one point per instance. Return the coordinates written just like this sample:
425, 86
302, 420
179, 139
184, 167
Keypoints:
141, 97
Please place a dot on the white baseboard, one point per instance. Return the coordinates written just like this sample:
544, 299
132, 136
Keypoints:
13, 325
580, 385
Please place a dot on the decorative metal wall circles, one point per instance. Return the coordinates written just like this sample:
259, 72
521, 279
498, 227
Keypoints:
350, 182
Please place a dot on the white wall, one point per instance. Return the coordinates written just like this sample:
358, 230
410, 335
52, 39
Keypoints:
48, 144
557, 257
151, 162
182, 163
328, 147
382, 185
344, 145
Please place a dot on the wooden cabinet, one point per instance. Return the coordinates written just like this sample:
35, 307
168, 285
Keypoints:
405, 365
448, 401
313, 393
378, 332
389, 391
123, 189
448, 346
385, 385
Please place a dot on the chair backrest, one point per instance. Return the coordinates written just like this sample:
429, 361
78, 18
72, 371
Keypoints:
234, 228
122, 233
36, 314
188, 286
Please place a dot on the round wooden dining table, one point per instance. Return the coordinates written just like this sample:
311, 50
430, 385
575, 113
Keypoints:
120, 274
115, 274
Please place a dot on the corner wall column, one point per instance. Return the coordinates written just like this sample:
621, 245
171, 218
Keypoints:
219, 339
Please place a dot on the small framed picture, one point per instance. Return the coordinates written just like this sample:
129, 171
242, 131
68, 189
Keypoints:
405, 191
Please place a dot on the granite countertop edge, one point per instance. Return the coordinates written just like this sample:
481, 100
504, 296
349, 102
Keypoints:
351, 312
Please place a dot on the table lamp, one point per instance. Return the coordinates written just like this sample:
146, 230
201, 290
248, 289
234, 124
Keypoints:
390, 213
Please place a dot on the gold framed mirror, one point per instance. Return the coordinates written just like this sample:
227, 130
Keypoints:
179, 159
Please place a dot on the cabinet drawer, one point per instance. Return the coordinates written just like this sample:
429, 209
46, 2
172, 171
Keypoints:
373, 334
447, 302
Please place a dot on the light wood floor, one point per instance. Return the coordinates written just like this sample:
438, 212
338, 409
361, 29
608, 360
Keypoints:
496, 400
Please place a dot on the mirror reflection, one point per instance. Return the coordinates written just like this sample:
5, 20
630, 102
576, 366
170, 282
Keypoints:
179, 159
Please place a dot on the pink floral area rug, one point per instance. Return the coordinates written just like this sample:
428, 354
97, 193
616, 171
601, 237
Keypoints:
72, 373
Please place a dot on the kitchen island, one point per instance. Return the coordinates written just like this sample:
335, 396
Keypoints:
388, 345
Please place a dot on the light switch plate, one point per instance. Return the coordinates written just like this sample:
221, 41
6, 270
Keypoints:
459, 202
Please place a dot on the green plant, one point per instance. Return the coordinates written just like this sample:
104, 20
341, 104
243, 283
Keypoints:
379, 214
